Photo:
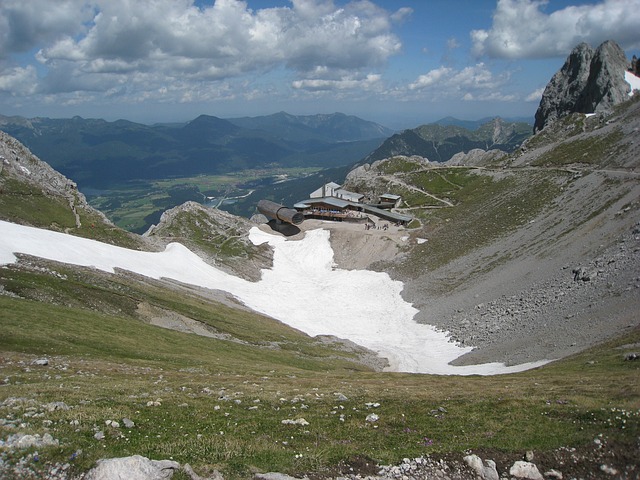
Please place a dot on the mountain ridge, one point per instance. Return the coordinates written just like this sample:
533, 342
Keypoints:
95, 152
439, 142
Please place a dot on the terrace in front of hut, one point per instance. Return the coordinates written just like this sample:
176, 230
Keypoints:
332, 202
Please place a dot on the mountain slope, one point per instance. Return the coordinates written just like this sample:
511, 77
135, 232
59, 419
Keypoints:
32, 193
438, 143
529, 255
336, 127
233, 396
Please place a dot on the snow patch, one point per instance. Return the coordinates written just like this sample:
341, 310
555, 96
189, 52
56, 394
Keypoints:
359, 305
633, 81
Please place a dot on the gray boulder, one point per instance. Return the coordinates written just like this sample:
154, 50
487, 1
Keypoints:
132, 468
484, 471
525, 470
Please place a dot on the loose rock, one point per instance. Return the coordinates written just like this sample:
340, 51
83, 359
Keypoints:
132, 468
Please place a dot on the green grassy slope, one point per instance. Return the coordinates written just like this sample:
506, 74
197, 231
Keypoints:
220, 403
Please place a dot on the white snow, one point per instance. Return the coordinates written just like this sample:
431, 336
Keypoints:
633, 81
421, 240
303, 290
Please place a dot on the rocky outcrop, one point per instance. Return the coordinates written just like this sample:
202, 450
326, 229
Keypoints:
133, 468
218, 237
18, 163
476, 157
588, 82
635, 66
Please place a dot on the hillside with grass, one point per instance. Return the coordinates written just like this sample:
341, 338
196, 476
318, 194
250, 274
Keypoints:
533, 254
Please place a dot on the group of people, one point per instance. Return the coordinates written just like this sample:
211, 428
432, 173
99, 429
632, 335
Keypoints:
369, 226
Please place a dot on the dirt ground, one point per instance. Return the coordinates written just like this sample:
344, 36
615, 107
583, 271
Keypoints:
356, 247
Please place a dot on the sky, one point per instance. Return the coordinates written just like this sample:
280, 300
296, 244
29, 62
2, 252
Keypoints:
333, 298
400, 63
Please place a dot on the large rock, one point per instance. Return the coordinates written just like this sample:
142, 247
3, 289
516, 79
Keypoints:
588, 82
132, 468
525, 471
484, 471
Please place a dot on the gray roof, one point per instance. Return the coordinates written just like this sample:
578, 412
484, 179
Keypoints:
387, 214
335, 202
390, 196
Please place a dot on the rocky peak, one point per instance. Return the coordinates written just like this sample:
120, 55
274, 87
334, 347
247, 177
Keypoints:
588, 82
635, 66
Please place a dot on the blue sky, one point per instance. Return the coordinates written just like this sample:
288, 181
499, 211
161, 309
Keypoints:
398, 62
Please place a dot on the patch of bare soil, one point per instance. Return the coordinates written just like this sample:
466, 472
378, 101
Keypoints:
356, 247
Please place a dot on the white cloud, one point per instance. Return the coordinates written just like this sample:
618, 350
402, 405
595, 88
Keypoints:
371, 82
522, 29
402, 14
453, 43
476, 82
18, 80
431, 78
535, 96
24, 24
136, 49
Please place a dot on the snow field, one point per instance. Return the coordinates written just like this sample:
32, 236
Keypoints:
304, 289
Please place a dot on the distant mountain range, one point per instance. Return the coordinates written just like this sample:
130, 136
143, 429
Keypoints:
439, 141
336, 127
101, 156
97, 153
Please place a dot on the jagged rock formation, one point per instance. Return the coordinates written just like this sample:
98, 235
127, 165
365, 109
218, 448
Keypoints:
217, 236
588, 82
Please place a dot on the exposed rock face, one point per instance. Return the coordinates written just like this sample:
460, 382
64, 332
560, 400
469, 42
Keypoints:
475, 157
588, 82
635, 66
18, 163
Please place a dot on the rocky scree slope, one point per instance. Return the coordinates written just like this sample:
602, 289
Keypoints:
529, 256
